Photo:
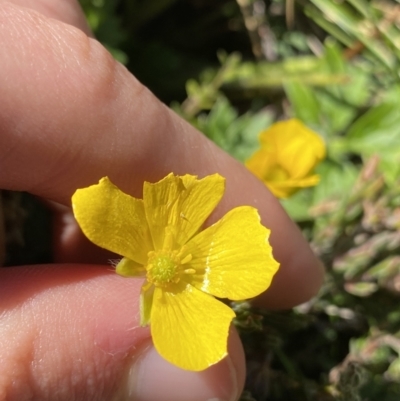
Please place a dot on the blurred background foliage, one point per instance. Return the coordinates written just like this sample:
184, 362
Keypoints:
232, 68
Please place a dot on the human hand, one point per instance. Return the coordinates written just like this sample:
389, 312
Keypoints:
69, 115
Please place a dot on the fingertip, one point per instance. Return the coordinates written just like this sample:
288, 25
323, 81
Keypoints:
67, 11
296, 282
150, 377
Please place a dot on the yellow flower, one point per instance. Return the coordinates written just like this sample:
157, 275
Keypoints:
288, 155
160, 240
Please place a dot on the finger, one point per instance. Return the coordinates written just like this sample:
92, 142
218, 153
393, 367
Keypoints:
67, 11
70, 115
72, 332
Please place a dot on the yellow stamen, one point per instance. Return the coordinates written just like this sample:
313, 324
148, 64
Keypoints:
189, 271
186, 259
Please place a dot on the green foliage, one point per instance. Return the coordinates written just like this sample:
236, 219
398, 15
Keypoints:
238, 135
362, 24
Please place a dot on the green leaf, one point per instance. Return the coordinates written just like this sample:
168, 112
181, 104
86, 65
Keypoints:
236, 135
351, 22
393, 372
298, 205
305, 104
216, 124
336, 180
331, 28
377, 132
247, 129
361, 289
377, 121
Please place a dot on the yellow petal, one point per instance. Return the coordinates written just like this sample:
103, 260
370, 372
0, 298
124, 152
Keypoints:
233, 257
113, 220
289, 152
283, 189
298, 148
281, 192
181, 203
190, 328
129, 268
262, 162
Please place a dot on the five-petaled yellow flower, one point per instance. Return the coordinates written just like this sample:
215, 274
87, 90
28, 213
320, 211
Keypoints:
183, 267
288, 155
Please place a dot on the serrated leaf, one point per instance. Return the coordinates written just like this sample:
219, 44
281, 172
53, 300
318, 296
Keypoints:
336, 180
377, 132
305, 104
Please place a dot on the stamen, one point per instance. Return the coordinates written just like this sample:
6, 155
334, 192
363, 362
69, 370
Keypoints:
165, 267
186, 259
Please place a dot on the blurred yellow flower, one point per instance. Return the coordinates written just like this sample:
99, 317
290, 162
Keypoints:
160, 240
288, 155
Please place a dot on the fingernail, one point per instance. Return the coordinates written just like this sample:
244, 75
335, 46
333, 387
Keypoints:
152, 378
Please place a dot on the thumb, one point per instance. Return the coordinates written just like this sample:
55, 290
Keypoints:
71, 332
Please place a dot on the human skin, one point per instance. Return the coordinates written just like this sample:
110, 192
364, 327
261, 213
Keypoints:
69, 115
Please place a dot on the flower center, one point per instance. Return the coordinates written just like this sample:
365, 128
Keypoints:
162, 268
276, 174
166, 267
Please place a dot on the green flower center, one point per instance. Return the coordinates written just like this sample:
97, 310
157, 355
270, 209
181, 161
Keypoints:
276, 174
164, 268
